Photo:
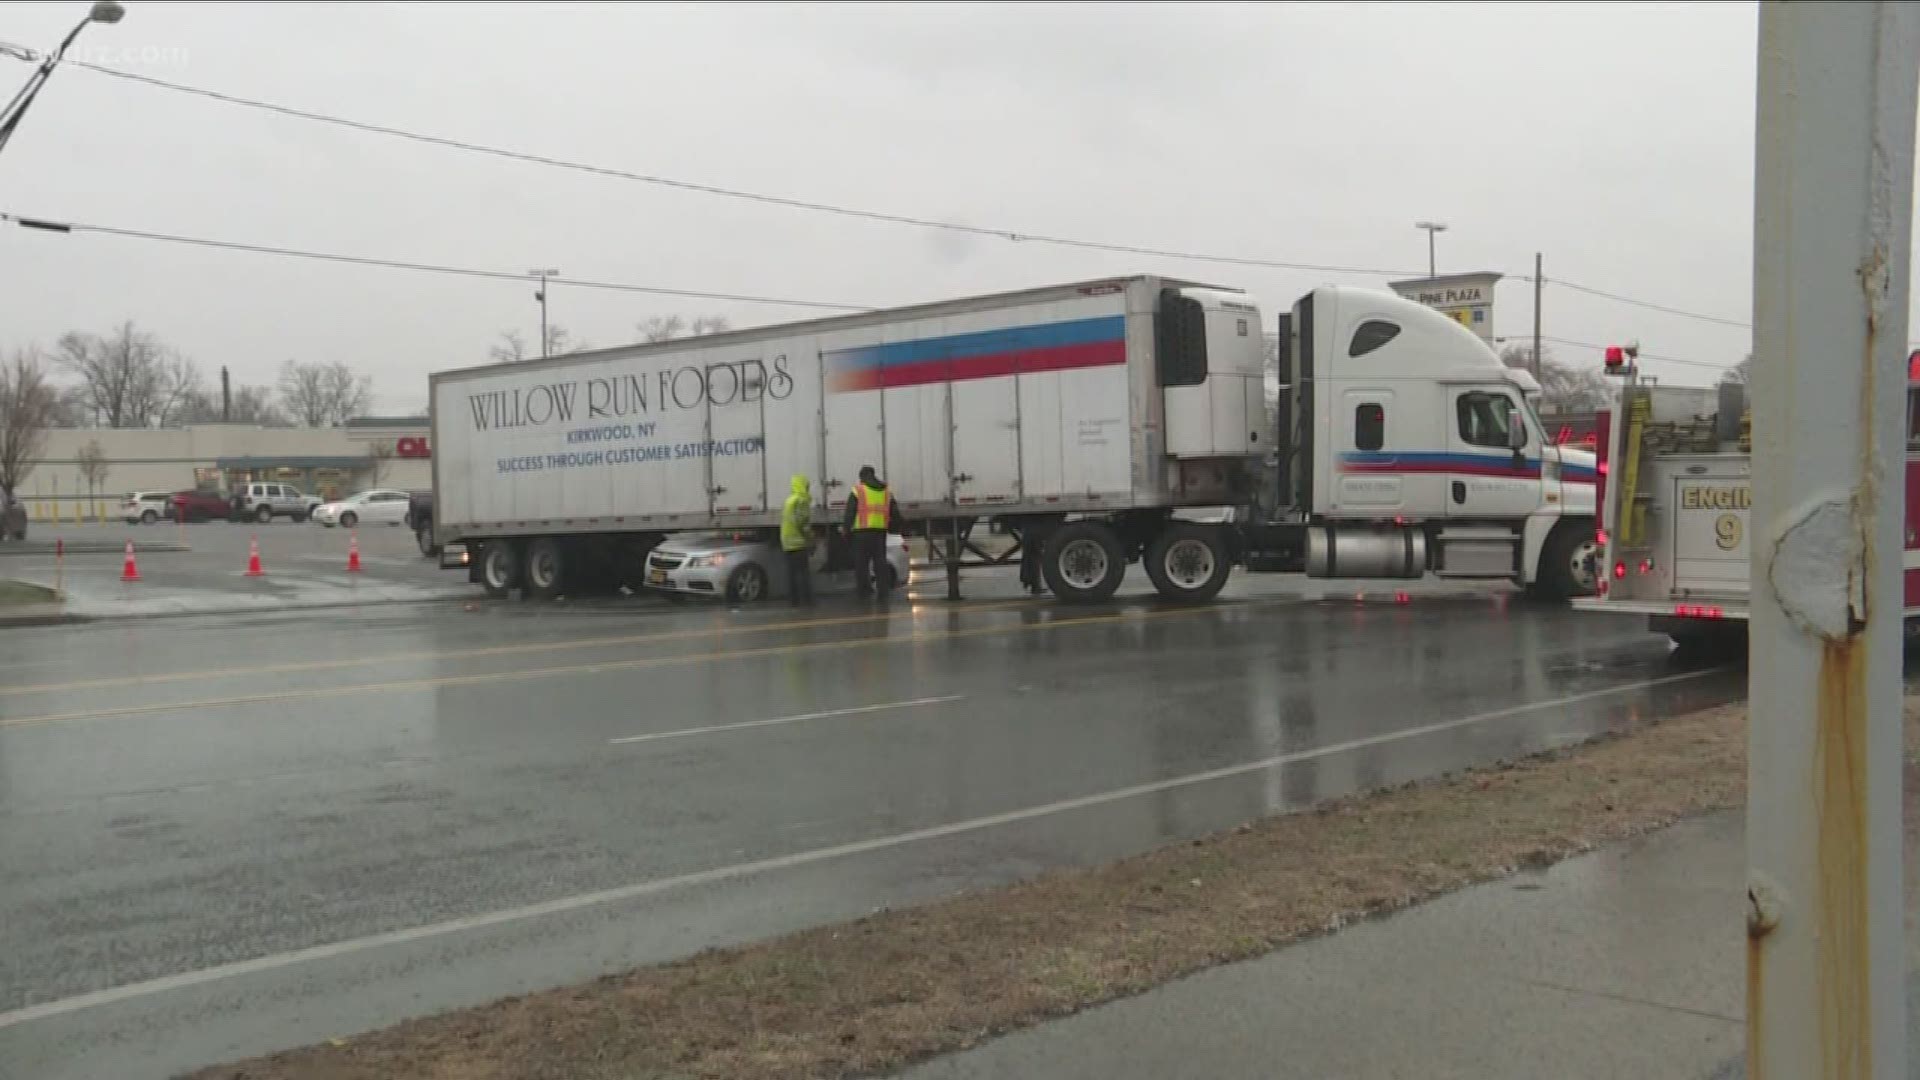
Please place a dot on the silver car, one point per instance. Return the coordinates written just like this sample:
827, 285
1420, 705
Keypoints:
744, 567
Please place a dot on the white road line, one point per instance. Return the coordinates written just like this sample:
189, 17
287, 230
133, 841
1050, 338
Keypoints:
801, 718
183, 980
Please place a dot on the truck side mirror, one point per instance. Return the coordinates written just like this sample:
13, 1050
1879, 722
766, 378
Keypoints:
1516, 432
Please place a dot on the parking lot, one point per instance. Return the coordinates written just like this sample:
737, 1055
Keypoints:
203, 567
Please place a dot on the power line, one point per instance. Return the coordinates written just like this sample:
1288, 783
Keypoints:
50, 225
395, 264
1616, 297
1013, 235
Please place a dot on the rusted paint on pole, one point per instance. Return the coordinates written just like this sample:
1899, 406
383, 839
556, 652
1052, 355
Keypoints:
1833, 188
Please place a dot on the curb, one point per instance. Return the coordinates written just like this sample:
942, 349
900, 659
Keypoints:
333, 605
41, 618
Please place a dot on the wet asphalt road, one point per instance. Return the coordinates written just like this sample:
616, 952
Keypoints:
219, 837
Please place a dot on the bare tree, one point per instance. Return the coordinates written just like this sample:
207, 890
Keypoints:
1739, 374
128, 379
91, 460
379, 462
27, 406
1562, 386
661, 328
512, 346
323, 395
249, 405
667, 327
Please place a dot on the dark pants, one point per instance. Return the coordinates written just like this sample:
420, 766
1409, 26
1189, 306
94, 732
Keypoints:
1033, 544
799, 577
870, 562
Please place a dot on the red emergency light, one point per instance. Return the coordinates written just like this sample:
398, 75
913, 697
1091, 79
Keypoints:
1616, 356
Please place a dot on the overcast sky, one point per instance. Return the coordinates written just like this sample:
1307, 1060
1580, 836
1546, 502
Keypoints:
1617, 139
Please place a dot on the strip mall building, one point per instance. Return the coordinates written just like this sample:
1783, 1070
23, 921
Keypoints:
385, 452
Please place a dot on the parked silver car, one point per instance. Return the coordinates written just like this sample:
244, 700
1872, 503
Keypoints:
265, 501
743, 568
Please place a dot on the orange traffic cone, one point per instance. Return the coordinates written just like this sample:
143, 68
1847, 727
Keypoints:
253, 558
353, 553
129, 571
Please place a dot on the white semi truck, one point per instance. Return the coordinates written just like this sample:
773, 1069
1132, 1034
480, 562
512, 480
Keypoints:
1128, 415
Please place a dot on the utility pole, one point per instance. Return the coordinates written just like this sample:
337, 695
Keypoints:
1431, 227
541, 296
226, 397
1538, 282
1833, 189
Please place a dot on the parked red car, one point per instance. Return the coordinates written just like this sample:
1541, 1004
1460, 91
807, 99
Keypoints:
192, 506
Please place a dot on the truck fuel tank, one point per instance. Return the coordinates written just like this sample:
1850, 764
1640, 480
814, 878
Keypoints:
1366, 551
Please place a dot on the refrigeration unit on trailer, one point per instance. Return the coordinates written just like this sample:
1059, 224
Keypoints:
1676, 497
1128, 417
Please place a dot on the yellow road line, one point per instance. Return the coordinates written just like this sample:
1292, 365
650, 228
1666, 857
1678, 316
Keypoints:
523, 648
478, 678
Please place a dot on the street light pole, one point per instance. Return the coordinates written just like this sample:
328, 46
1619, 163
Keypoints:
1431, 227
1833, 191
541, 296
103, 11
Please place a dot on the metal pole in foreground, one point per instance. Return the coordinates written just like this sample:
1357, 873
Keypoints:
1832, 194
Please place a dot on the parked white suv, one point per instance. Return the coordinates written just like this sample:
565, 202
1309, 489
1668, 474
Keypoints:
266, 501
146, 507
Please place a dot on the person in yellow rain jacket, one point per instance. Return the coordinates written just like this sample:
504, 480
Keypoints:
871, 515
796, 540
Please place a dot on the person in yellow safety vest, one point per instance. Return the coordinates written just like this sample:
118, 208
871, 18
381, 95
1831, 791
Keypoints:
796, 540
871, 514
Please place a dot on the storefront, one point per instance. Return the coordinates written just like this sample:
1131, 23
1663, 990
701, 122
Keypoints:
83, 472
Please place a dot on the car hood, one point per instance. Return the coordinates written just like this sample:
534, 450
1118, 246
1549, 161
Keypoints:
707, 545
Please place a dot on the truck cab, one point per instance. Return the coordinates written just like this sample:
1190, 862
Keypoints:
1412, 448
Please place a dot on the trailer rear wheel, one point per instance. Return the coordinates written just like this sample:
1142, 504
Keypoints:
546, 569
1084, 562
1188, 563
499, 567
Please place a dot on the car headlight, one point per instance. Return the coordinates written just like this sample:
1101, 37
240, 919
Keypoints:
700, 561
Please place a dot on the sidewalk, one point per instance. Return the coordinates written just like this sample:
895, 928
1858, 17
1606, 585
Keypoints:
1629, 963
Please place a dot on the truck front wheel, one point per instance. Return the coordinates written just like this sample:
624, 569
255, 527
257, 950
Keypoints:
1084, 562
1188, 563
1569, 564
499, 567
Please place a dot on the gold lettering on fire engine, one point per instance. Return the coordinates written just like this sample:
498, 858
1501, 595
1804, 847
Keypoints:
1716, 497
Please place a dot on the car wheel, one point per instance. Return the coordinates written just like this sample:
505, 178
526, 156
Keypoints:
263, 515
349, 519
546, 569
747, 585
149, 517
